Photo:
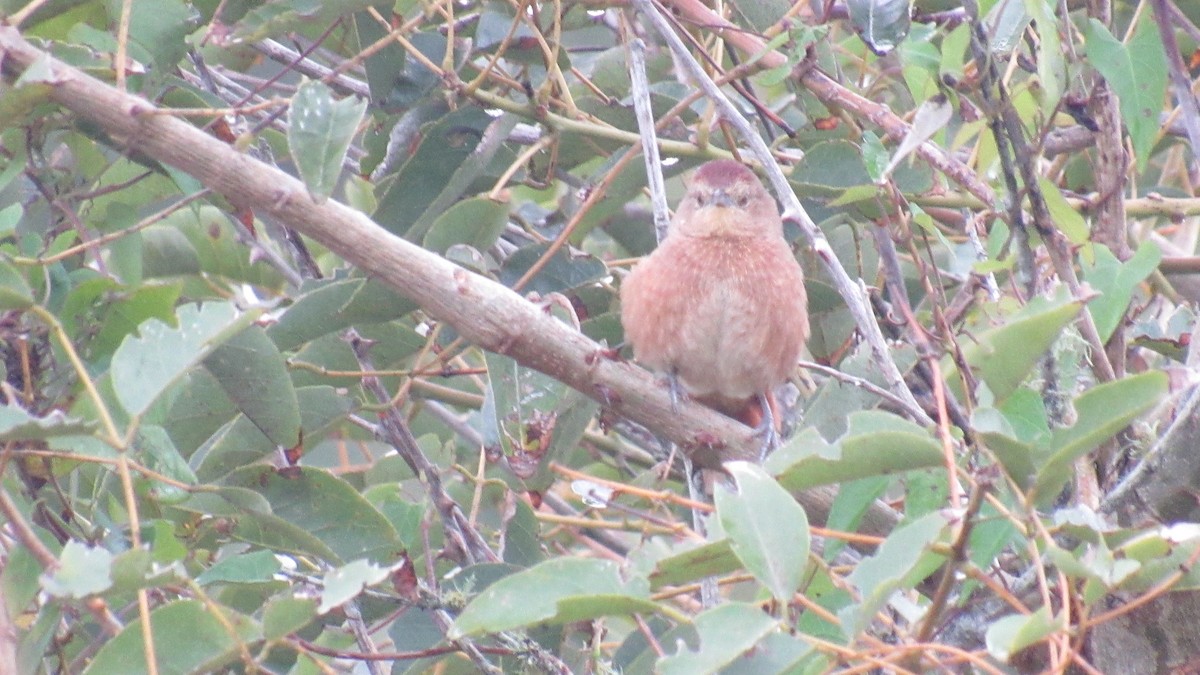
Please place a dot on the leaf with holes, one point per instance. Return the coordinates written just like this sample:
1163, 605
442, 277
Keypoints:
320, 128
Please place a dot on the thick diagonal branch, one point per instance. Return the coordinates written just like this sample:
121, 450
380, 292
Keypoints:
481, 310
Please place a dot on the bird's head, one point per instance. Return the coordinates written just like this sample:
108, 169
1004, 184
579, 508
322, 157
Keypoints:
726, 199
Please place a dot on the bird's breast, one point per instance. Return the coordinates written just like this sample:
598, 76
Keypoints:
727, 314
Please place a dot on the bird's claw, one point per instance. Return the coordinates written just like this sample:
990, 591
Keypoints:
766, 429
675, 390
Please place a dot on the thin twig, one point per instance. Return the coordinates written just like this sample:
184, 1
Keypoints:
47, 559
394, 430
302, 64
1181, 81
645, 118
859, 382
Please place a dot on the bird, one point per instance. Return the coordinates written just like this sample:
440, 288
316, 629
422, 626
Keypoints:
720, 307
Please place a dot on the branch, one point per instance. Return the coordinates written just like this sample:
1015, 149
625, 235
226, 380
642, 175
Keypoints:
481, 310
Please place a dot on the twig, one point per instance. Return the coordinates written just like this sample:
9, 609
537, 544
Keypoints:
394, 430
302, 64
362, 635
1015, 154
304, 645
47, 559
10, 638
950, 570
861, 383
1181, 81
25, 533
645, 118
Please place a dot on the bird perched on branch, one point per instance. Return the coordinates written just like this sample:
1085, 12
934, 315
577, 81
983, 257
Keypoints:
720, 305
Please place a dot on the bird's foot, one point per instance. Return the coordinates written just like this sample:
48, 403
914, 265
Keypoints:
765, 429
676, 391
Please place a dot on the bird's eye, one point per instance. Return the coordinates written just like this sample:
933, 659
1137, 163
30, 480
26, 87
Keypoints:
743, 202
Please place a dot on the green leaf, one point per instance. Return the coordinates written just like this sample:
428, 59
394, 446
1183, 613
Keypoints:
241, 442
342, 584
1068, 220
327, 507
767, 528
82, 570
882, 24
726, 632
830, 167
1003, 356
1160, 554
902, 561
277, 534
460, 182
278, 17
400, 81
954, 51
320, 128
199, 409
1137, 73
159, 31
759, 16
1026, 412
18, 425
1100, 412
165, 547
252, 372
284, 616
247, 568
1006, 22
19, 578
564, 272
14, 289
159, 454
1010, 634
521, 408
702, 561
143, 367
118, 311
1116, 282
931, 118
854, 499
778, 652
204, 240
445, 145
189, 637
876, 443
560, 590
32, 89
1051, 67
523, 545
476, 222
1016, 457
10, 216
225, 501
326, 306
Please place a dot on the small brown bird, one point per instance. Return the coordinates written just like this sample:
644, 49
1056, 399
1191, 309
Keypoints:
720, 304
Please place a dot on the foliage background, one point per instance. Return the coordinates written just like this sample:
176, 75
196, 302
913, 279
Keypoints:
244, 429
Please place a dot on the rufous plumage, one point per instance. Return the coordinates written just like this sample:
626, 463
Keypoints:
720, 304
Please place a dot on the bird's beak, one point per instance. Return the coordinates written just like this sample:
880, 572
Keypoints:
721, 198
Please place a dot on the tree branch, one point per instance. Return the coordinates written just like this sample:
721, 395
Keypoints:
481, 310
